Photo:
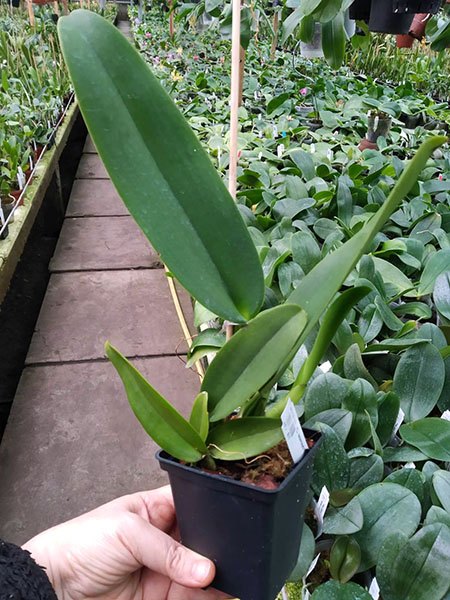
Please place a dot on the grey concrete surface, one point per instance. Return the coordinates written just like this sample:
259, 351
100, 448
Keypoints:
73, 443
99, 200
89, 146
102, 243
133, 309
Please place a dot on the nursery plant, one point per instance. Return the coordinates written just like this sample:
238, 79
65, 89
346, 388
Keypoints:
171, 188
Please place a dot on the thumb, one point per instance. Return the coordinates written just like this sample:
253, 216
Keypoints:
159, 552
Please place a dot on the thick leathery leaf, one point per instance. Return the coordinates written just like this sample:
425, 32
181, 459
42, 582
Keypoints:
431, 436
251, 357
388, 553
333, 41
385, 505
243, 438
345, 520
332, 465
160, 169
441, 486
161, 421
199, 415
333, 590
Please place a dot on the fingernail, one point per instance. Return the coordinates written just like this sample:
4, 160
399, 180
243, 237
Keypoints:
201, 570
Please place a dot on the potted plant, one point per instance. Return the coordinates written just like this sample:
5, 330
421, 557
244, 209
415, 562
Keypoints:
313, 49
177, 197
379, 124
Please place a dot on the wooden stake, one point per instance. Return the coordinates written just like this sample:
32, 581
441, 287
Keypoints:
30, 12
235, 85
276, 26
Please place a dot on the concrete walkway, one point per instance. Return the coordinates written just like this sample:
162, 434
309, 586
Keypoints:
72, 442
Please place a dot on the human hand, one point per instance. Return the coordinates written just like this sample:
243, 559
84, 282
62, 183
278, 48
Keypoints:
124, 550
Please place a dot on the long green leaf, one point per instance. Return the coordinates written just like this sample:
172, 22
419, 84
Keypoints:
199, 415
161, 421
333, 41
251, 357
243, 438
316, 290
160, 170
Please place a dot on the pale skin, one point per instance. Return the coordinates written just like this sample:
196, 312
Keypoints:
124, 550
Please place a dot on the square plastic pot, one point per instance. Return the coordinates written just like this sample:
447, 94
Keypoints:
252, 534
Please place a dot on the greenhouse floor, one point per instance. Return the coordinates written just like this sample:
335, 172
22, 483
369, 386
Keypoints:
72, 442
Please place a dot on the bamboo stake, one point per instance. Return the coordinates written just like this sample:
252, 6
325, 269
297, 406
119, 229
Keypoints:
30, 12
235, 87
276, 26
241, 73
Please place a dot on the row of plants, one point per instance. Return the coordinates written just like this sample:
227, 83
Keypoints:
338, 288
304, 194
34, 91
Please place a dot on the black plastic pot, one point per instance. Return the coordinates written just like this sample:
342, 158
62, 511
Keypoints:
360, 10
378, 127
252, 534
417, 6
384, 20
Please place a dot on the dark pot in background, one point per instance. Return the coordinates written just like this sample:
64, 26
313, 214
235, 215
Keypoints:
384, 20
377, 127
15, 3
417, 6
252, 534
419, 24
405, 41
360, 10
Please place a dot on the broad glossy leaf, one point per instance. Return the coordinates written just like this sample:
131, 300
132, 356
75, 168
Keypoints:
389, 551
340, 420
161, 421
441, 486
345, 520
305, 250
344, 558
436, 265
409, 478
304, 162
418, 380
305, 555
404, 453
199, 415
431, 436
252, 356
387, 416
243, 438
436, 514
441, 294
422, 565
331, 466
354, 366
392, 276
141, 136
370, 323
333, 590
432, 333
365, 471
360, 400
326, 391
383, 505
322, 283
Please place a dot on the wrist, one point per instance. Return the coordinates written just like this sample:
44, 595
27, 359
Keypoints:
42, 556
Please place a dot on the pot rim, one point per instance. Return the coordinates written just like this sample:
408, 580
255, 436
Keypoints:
164, 457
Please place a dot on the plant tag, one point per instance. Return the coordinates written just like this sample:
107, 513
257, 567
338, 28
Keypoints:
321, 508
409, 465
446, 415
312, 566
325, 367
293, 432
2, 216
398, 422
305, 594
374, 589
275, 131
20, 178
280, 150
312, 148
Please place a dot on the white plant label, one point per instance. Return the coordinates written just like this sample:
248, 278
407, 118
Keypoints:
20, 178
321, 508
275, 131
398, 422
410, 465
280, 150
325, 367
312, 566
2, 216
446, 415
374, 589
293, 432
